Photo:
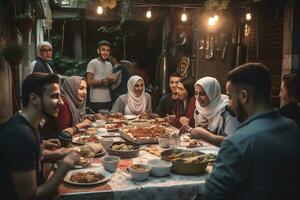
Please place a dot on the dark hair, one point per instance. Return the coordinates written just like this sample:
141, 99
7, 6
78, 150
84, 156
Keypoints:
104, 43
292, 84
254, 75
174, 74
188, 83
35, 83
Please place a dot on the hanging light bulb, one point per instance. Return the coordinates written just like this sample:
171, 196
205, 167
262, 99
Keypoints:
211, 21
99, 10
183, 16
248, 16
148, 13
216, 17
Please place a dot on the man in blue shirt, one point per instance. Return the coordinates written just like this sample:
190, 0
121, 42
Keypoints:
261, 160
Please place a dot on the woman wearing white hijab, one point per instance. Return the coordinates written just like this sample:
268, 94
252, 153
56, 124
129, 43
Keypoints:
136, 101
213, 119
44, 54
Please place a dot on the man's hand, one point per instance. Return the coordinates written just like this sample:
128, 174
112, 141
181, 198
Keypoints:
71, 159
184, 129
203, 123
51, 144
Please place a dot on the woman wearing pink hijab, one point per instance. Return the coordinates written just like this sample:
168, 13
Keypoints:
136, 101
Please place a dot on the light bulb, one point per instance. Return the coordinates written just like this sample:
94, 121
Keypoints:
148, 14
211, 21
183, 17
99, 10
248, 16
216, 18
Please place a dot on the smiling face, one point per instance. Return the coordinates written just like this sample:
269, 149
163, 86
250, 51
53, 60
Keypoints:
201, 96
181, 92
173, 83
104, 52
138, 88
51, 101
46, 53
234, 102
82, 91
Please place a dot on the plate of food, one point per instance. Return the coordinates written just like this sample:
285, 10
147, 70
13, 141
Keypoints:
130, 117
89, 176
113, 126
84, 139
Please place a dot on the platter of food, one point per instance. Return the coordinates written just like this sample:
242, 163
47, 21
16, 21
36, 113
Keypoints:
113, 126
114, 118
143, 135
84, 139
130, 117
124, 150
89, 176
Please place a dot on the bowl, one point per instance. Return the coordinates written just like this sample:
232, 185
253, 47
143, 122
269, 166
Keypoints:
181, 167
163, 142
100, 122
124, 153
111, 163
101, 131
139, 172
106, 142
159, 167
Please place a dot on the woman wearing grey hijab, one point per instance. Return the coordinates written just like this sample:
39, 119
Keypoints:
71, 116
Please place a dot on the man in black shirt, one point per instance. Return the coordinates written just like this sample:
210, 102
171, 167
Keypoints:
290, 95
20, 150
167, 102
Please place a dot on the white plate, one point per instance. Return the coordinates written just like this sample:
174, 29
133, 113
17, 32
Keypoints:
106, 174
101, 153
76, 138
130, 117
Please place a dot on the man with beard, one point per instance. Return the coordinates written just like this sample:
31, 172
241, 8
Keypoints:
21, 151
261, 160
167, 102
99, 77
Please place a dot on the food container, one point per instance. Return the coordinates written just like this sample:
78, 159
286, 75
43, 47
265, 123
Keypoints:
159, 167
111, 163
124, 153
163, 142
139, 172
100, 122
181, 167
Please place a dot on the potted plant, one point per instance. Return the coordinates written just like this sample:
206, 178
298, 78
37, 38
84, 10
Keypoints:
25, 22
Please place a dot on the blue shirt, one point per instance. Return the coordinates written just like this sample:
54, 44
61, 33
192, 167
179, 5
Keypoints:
260, 161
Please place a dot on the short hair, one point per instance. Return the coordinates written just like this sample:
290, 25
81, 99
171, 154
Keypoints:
104, 43
254, 75
174, 74
292, 84
188, 83
35, 83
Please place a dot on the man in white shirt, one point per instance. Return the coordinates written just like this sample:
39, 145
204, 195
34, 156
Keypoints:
99, 77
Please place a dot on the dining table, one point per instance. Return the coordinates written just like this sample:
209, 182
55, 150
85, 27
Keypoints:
120, 185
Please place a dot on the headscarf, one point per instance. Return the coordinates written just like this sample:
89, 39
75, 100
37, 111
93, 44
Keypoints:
136, 104
69, 90
217, 104
44, 43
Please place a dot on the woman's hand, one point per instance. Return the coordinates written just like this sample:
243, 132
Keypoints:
184, 121
170, 118
184, 129
85, 123
203, 123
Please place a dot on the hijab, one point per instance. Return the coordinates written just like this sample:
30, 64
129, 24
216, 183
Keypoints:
136, 104
45, 43
217, 104
69, 90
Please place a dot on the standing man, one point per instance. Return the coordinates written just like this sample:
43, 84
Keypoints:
21, 150
99, 77
167, 102
44, 55
261, 160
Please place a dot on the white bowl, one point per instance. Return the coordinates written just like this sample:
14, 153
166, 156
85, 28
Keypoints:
100, 122
160, 167
102, 131
139, 175
111, 163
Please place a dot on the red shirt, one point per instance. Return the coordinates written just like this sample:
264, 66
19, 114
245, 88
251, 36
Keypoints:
191, 106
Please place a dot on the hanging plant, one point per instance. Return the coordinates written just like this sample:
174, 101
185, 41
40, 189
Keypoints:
13, 53
217, 5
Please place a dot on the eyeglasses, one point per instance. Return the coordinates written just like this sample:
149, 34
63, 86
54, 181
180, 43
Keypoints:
46, 50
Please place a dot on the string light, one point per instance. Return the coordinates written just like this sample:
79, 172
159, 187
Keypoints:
148, 13
216, 17
183, 16
211, 21
99, 10
248, 16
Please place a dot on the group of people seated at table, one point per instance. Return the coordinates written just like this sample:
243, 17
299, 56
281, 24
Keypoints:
196, 108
